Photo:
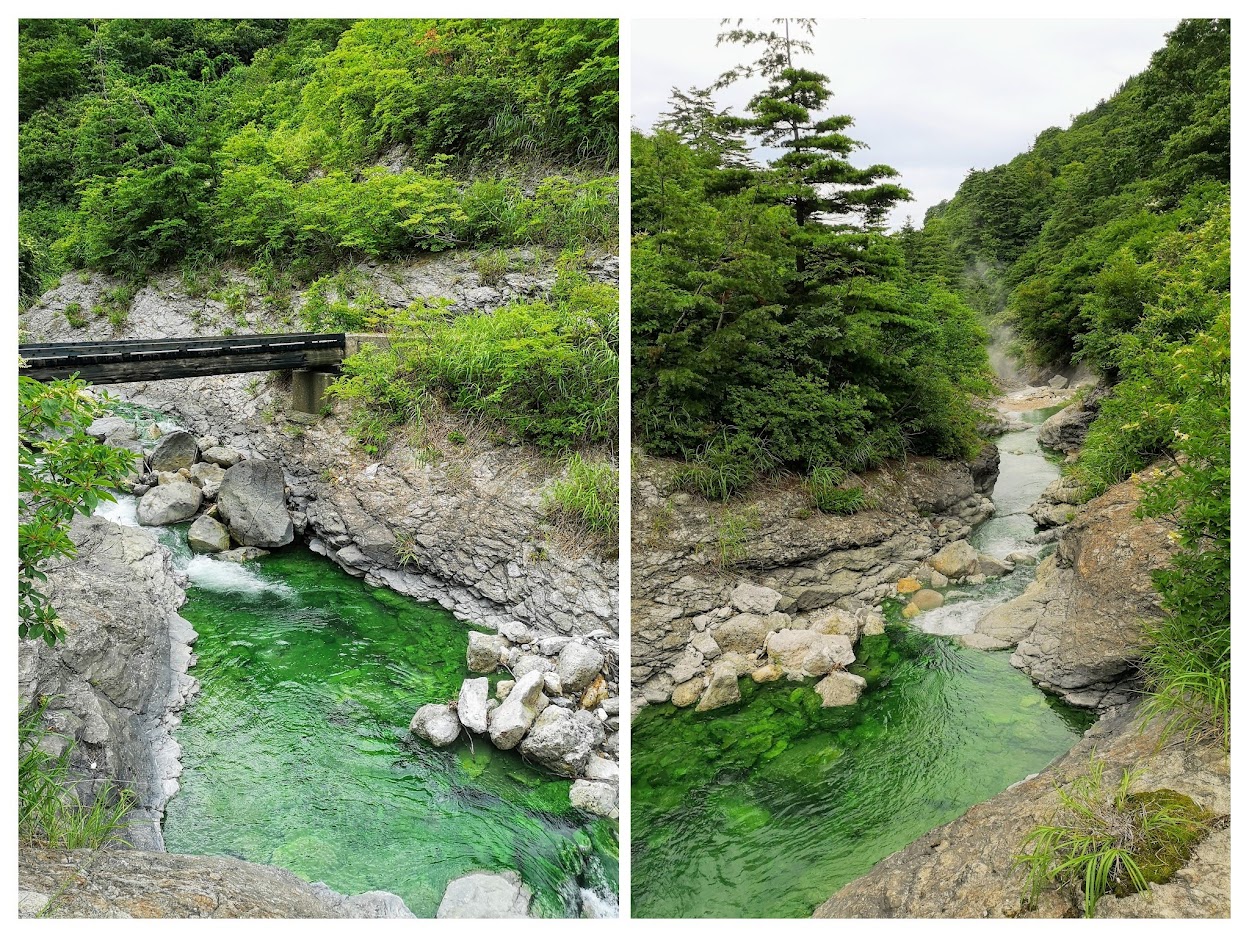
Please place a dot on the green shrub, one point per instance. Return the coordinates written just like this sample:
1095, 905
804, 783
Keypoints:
828, 494
732, 529
589, 494
1103, 841
74, 316
342, 303
725, 466
50, 811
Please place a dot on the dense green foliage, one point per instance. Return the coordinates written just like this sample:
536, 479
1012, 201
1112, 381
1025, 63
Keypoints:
61, 471
1111, 841
545, 372
307, 142
50, 811
773, 323
589, 496
1109, 243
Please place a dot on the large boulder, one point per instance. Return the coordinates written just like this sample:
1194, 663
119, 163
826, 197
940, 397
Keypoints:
208, 535
757, 599
1066, 429
559, 742
176, 450
722, 689
808, 653
595, 797
169, 504
510, 722
223, 456
437, 724
744, 633
485, 651
578, 665
955, 560
252, 499
928, 599
471, 706
527, 662
207, 477
486, 895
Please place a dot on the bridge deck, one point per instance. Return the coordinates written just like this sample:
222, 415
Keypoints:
160, 359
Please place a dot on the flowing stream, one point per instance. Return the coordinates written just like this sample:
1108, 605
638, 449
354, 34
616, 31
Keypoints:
766, 808
296, 751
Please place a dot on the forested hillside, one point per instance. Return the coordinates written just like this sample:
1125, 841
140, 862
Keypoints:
775, 323
1108, 243
297, 145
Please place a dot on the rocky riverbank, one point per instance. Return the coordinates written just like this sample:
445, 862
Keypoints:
712, 583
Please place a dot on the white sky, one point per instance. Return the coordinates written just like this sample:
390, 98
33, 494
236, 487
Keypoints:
932, 98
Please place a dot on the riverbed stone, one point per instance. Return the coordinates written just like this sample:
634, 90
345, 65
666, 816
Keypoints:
578, 665
991, 566
169, 504
224, 456
437, 724
503, 688
927, 599
516, 714
208, 535
909, 585
207, 477
597, 797
808, 653
486, 895
768, 673
757, 599
911, 610
484, 651
836, 621
561, 744
840, 688
526, 663
471, 704
1021, 558
687, 693
955, 560
595, 693
242, 554
744, 633
176, 450
252, 499
722, 688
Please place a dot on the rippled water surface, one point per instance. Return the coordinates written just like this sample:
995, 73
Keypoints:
765, 809
296, 751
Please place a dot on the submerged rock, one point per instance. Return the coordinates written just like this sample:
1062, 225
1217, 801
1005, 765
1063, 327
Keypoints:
176, 450
207, 535
471, 707
169, 504
486, 895
437, 724
840, 688
242, 554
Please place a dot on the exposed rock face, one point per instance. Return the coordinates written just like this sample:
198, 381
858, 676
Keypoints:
118, 680
1066, 429
252, 499
208, 535
485, 895
690, 606
169, 504
1078, 626
965, 868
133, 884
437, 724
174, 451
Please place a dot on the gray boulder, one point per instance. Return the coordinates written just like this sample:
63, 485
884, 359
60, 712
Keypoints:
578, 665
484, 651
722, 689
207, 535
176, 450
486, 895
840, 688
530, 662
223, 456
252, 499
757, 599
743, 633
242, 554
169, 504
991, 566
559, 742
510, 722
595, 797
808, 653
437, 724
471, 706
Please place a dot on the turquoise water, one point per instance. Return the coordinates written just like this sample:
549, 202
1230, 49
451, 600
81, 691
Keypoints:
766, 808
296, 752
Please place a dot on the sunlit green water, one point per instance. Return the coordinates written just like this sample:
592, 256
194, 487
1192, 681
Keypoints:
296, 751
767, 808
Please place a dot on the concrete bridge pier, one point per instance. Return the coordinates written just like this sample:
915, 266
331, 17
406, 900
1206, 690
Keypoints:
308, 389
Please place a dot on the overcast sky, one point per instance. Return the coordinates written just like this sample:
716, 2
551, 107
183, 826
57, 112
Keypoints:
932, 98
